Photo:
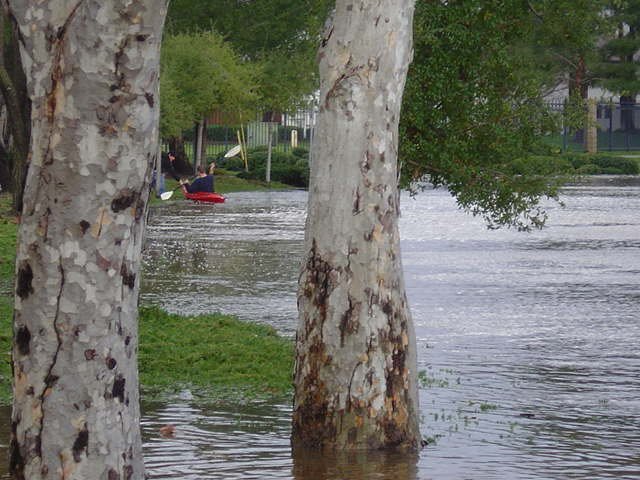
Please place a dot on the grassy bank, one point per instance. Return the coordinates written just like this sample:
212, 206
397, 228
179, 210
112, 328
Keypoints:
8, 230
215, 355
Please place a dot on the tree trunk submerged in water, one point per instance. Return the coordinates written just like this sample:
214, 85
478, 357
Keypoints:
355, 373
92, 70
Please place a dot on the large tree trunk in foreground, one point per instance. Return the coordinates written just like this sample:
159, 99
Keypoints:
355, 373
92, 70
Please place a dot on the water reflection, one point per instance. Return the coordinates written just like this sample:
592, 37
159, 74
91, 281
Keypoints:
308, 464
217, 440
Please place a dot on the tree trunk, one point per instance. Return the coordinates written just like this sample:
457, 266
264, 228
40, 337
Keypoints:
13, 91
355, 374
92, 70
579, 88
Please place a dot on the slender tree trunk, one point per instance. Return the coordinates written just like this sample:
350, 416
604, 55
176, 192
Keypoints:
355, 374
92, 70
579, 88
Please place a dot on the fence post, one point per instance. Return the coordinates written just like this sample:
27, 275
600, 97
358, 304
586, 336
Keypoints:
591, 126
610, 125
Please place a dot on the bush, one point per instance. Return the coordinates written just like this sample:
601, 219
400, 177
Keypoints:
294, 175
300, 152
595, 164
541, 165
234, 163
589, 169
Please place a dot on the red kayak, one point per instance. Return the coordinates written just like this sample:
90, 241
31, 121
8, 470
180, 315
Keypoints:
204, 197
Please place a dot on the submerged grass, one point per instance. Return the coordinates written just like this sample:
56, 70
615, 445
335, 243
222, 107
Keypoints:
215, 354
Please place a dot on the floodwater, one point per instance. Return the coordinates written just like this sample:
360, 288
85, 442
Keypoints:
528, 344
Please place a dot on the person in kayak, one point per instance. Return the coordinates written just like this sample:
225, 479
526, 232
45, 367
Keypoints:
203, 182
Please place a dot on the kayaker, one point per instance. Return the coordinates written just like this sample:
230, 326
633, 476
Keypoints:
202, 183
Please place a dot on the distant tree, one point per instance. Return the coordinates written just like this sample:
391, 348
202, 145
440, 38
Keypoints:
278, 35
201, 73
564, 37
619, 63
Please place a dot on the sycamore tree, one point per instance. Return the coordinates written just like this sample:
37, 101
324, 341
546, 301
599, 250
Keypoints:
355, 371
92, 77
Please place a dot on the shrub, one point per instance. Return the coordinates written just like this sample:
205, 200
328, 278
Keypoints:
589, 169
233, 163
300, 152
595, 164
541, 165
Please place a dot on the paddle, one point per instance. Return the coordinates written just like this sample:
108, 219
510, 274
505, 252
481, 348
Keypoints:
169, 194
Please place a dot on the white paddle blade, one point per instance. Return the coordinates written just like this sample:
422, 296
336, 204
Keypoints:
166, 195
233, 152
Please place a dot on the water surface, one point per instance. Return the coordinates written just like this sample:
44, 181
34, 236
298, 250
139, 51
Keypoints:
527, 342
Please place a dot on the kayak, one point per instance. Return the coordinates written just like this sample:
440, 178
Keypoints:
205, 197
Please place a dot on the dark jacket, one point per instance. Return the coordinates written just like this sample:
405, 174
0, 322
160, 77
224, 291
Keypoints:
201, 184
172, 171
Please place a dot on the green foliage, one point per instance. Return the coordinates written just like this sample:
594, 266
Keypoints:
619, 64
562, 39
469, 112
603, 164
215, 354
300, 152
202, 73
235, 164
279, 36
286, 168
8, 233
575, 163
541, 165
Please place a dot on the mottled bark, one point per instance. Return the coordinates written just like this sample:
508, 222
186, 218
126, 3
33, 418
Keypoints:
355, 373
92, 70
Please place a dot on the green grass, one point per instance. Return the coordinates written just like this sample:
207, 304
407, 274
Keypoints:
8, 231
216, 355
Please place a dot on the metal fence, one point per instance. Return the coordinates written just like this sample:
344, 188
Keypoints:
618, 128
287, 130
617, 124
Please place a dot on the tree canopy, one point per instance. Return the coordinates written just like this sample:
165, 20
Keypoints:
279, 36
202, 73
469, 112
619, 65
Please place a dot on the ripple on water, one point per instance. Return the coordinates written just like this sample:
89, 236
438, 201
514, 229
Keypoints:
528, 342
